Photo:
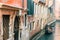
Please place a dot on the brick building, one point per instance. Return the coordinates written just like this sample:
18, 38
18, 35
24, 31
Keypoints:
42, 15
21, 19
12, 17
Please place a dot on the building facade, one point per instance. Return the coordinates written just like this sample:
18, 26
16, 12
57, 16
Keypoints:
43, 14
12, 19
21, 19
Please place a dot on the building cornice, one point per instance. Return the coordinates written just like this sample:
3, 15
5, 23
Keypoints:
5, 6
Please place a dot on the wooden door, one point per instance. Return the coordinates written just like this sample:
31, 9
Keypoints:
5, 27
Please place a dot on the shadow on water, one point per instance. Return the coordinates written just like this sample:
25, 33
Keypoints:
46, 37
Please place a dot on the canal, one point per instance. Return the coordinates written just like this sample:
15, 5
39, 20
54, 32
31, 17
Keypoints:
47, 37
54, 36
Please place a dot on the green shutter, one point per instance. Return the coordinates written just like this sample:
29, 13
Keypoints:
30, 6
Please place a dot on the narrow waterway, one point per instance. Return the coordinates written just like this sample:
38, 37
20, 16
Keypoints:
55, 35
47, 37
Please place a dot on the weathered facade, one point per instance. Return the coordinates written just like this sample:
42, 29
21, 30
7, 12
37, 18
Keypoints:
42, 16
21, 19
12, 19
38, 17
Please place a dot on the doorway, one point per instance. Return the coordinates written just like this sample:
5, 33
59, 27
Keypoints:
16, 28
6, 27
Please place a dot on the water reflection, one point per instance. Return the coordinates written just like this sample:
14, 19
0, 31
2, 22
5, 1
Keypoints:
47, 37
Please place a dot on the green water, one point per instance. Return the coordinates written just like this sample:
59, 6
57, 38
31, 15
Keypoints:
47, 37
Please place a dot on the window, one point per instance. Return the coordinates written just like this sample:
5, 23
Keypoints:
34, 8
30, 6
40, 23
37, 23
45, 12
50, 9
31, 25
37, 9
41, 11
20, 33
20, 12
25, 20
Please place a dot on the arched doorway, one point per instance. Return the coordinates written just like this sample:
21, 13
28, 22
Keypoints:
16, 28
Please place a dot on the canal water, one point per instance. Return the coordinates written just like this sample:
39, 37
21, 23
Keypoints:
47, 37
55, 35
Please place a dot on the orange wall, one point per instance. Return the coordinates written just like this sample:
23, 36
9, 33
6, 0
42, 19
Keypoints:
25, 3
16, 3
